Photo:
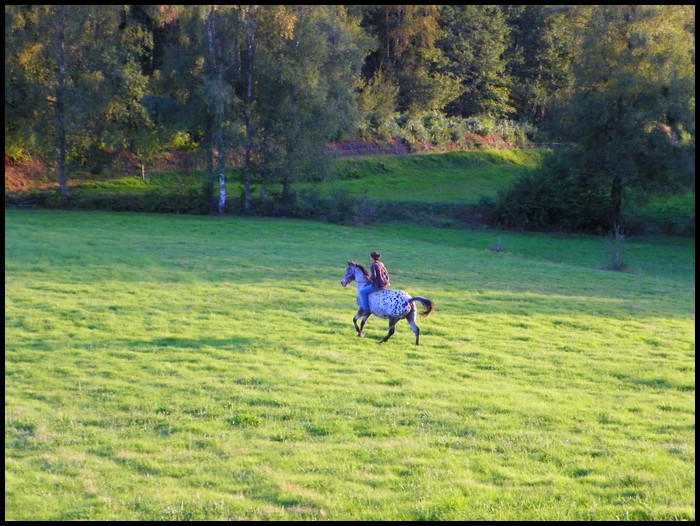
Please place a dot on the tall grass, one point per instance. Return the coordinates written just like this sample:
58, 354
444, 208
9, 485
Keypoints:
195, 368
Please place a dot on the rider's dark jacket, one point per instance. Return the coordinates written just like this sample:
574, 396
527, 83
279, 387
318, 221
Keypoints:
380, 275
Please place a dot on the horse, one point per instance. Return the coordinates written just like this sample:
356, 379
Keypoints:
394, 305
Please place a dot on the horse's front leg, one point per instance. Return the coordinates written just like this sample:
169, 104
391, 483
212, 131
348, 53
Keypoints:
362, 324
359, 328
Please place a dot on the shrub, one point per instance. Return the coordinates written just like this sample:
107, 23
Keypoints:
670, 215
181, 201
436, 131
553, 198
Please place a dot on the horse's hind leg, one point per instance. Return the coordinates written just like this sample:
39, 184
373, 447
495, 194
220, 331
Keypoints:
411, 319
392, 329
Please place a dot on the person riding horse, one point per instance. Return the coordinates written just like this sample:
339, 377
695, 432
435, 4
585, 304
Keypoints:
392, 305
379, 280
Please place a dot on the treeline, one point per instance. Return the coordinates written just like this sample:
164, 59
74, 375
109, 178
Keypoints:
271, 86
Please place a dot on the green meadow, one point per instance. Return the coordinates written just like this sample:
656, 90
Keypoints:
454, 177
163, 367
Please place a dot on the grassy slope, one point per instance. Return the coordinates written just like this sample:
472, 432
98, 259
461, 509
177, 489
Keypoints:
457, 177
166, 367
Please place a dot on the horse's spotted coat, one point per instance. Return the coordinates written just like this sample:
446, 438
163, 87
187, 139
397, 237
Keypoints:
390, 304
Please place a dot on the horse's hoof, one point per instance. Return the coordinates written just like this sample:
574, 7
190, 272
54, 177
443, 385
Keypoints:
361, 335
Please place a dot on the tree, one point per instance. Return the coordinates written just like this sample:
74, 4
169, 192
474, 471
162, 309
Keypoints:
407, 56
377, 99
74, 66
540, 55
127, 125
200, 74
474, 40
308, 61
250, 21
19, 97
219, 93
631, 112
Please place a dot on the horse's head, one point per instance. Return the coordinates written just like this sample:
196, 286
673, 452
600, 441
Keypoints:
355, 272
349, 276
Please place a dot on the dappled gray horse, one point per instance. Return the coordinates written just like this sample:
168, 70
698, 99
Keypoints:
393, 305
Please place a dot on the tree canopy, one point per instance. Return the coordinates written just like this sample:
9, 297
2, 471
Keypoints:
276, 84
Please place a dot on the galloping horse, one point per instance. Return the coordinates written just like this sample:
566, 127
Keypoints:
393, 305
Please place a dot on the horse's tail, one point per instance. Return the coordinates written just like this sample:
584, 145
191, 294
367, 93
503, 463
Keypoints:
429, 305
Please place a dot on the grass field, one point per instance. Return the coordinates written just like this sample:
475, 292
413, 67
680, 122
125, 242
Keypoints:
196, 368
455, 177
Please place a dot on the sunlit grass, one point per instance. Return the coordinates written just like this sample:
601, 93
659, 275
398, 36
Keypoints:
456, 177
179, 368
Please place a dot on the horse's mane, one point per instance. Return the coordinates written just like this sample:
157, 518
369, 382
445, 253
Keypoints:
361, 267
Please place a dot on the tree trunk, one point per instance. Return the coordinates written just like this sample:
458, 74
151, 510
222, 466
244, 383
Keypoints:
211, 173
247, 169
287, 188
616, 191
218, 117
221, 163
62, 126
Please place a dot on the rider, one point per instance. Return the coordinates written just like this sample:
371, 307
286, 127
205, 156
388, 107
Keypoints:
379, 279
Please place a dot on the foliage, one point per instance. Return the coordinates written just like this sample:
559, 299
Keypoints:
472, 189
304, 97
272, 85
540, 56
407, 55
670, 214
434, 130
377, 103
475, 39
553, 198
556, 197
632, 103
60, 57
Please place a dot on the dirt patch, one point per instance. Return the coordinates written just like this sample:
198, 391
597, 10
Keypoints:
357, 148
25, 175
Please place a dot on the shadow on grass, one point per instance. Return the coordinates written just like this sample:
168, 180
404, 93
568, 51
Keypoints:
232, 344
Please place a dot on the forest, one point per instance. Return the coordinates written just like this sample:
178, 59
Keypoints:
267, 89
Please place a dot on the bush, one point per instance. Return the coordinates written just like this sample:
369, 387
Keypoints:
436, 131
553, 198
184, 201
671, 215
339, 208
